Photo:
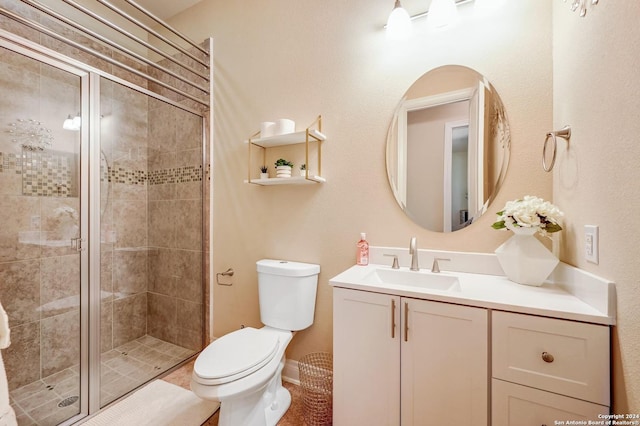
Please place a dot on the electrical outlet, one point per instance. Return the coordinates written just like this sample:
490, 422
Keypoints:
591, 243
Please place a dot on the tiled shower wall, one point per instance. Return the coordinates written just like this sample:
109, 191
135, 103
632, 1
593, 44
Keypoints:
175, 232
151, 225
151, 213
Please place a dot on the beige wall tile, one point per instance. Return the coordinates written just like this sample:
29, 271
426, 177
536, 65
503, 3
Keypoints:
129, 318
106, 326
162, 317
130, 223
130, 272
20, 290
162, 271
22, 357
59, 284
60, 342
189, 224
162, 224
15, 215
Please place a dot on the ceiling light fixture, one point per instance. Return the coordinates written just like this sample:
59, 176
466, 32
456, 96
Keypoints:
442, 13
72, 123
399, 23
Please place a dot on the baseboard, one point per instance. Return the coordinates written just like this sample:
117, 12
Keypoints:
290, 372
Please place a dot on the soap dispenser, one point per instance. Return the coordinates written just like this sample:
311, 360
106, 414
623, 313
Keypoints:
362, 254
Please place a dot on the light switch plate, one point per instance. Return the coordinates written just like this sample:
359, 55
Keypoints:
591, 249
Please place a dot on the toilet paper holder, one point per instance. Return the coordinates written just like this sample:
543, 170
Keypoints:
228, 273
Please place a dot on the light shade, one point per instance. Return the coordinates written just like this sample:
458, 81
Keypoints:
399, 23
77, 122
442, 13
74, 123
488, 6
68, 123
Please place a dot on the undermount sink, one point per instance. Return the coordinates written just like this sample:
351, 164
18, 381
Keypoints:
422, 279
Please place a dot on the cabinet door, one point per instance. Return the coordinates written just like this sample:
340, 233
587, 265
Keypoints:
521, 405
444, 372
366, 358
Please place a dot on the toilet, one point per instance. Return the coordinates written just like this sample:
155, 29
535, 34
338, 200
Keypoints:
243, 369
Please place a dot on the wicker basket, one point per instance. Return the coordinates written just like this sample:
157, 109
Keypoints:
316, 380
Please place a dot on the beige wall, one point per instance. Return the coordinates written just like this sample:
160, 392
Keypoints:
286, 58
596, 182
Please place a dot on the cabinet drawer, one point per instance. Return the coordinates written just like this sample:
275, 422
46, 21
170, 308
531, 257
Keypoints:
513, 404
576, 363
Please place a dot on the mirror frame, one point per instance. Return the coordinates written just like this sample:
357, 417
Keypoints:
495, 117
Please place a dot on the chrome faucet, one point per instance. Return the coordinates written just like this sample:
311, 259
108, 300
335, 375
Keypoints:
413, 251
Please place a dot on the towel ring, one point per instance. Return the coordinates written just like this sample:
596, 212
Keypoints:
564, 133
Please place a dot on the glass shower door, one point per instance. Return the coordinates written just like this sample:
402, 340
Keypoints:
151, 237
40, 273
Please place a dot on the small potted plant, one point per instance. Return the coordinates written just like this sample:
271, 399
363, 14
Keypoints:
264, 172
303, 170
283, 168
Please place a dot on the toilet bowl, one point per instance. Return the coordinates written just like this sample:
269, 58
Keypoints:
243, 369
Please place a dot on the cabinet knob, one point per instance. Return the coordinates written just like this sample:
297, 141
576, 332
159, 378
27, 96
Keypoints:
547, 357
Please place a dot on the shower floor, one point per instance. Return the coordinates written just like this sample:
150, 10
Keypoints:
50, 400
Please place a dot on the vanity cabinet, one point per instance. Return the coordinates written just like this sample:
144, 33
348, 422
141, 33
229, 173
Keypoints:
307, 137
547, 369
405, 361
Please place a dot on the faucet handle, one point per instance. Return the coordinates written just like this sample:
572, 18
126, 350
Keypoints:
435, 268
395, 261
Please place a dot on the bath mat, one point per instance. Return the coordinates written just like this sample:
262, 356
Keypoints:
158, 404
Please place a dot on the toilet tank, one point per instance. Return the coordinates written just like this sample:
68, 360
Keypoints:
287, 292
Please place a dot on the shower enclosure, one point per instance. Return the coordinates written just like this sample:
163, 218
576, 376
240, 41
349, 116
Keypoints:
101, 228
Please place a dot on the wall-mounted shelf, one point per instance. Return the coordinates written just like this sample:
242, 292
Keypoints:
287, 139
293, 180
312, 134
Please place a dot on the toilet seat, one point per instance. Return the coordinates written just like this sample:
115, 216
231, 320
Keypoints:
234, 356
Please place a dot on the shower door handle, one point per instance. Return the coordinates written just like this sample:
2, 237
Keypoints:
76, 243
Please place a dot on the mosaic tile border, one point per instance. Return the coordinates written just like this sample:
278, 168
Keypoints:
184, 174
50, 173
9, 162
176, 175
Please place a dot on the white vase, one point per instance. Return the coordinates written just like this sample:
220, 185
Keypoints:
283, 171
264, 175
524, 259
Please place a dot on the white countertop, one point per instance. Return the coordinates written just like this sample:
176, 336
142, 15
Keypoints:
569, 294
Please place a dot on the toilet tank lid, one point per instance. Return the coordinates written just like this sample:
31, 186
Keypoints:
287, 268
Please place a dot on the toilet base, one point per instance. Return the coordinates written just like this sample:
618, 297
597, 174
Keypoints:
264, 408
276, 410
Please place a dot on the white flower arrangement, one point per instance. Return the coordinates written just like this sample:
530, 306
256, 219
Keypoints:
530, 212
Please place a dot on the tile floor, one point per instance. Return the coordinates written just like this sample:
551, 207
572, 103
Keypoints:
45, 402
293, 416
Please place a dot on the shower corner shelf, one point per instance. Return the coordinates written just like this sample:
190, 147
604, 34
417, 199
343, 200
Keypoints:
305, 137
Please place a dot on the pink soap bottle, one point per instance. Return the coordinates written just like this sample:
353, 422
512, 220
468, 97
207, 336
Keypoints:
362, 256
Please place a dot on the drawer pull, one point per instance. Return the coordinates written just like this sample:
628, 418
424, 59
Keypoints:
547, 357
406, 322
393, 318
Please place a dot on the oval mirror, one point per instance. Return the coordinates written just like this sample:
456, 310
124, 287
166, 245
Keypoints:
448, 148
